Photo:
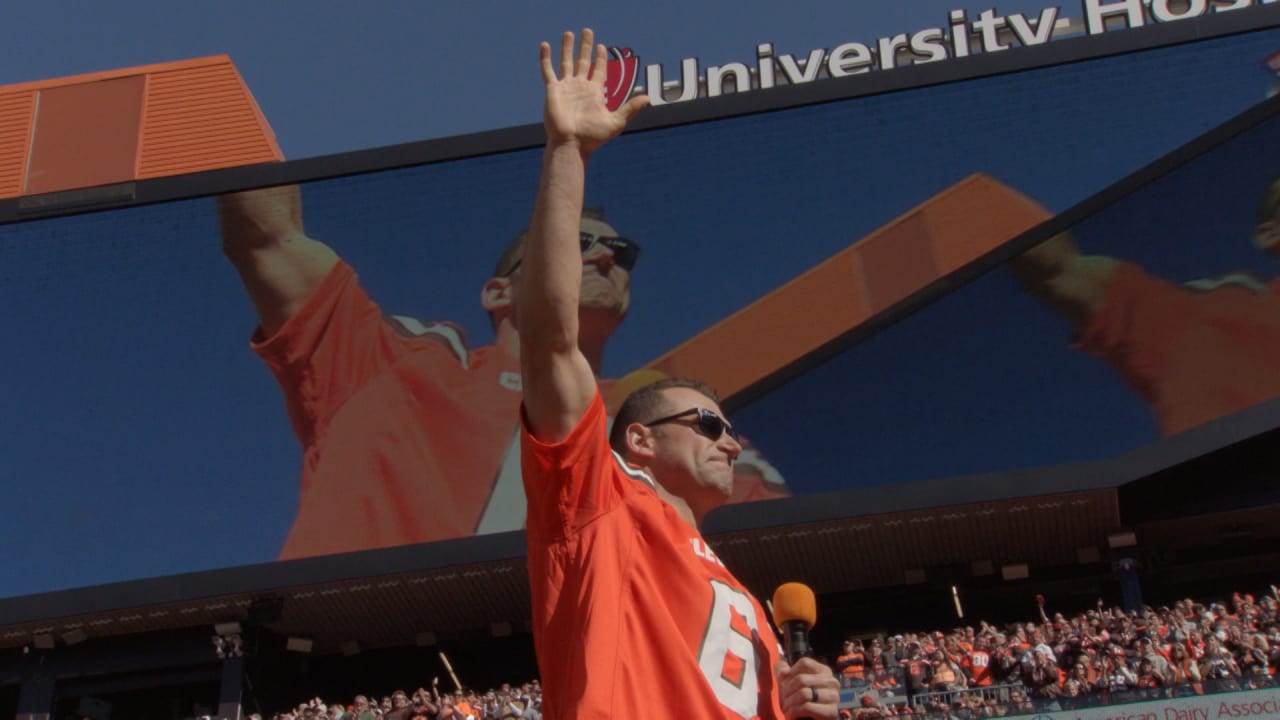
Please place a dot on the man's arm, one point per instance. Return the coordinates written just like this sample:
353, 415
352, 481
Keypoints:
558, 381
279, 265
1073, 285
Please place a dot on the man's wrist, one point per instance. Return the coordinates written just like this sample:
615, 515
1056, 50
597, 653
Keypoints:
556, 146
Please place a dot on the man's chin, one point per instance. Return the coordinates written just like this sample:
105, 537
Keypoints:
607, 311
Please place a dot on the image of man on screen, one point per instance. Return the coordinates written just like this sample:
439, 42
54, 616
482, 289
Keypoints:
633, 615
1194, 351
408, 431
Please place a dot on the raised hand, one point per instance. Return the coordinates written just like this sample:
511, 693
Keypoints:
575, 111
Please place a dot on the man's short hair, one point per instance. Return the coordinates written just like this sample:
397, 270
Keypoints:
515, 249
647, 404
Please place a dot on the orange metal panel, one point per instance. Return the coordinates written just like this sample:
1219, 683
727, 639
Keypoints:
201, 118
970, 235
85, 135
112, 74
191, 115
17, 110
956, 226
795, 319
897, 259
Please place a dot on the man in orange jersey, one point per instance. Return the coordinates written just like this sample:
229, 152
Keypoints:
409, 432
1194, 351
634, 615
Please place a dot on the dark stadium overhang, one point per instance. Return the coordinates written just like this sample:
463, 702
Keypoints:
837, 542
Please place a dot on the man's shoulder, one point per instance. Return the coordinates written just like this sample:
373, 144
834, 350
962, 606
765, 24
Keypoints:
447, 333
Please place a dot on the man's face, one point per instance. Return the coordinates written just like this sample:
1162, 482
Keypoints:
687, 462
606, 285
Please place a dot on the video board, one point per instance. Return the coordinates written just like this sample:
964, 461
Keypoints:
145, 436
1150, 317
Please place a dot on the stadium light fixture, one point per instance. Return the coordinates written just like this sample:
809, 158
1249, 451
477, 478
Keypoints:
299, 644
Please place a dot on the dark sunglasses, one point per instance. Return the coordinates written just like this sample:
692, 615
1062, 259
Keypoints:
625, 251
709, 424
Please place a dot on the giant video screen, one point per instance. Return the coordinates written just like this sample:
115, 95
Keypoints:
171, 403
1152, 317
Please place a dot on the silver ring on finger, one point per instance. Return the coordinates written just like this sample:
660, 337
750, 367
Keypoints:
814, 692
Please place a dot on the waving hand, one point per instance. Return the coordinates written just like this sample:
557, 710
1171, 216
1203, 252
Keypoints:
575, 111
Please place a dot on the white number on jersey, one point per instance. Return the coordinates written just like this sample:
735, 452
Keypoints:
728, 654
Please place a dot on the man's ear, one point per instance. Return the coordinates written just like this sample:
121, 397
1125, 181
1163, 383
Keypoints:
640, 442
497, 294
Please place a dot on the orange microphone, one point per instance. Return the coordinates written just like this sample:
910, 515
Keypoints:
794, 612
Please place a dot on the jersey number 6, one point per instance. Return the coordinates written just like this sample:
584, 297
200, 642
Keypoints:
728, 653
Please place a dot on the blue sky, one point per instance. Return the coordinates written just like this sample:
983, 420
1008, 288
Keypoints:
142, 437
338, 76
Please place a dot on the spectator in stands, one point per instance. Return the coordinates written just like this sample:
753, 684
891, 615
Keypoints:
1218, 664
362, 709
1007, 666
1114, 675
917, 669
399, 706
1148, 650
1043, 680
869, 709
1254, 658
894, 652
1149, 678
978, 663
945, 676
1182, 667
875, 657
1020, 704
851, 664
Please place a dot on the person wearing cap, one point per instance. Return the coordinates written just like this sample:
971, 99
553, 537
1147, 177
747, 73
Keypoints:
634, 615
916, 668
408, 429
1195, 351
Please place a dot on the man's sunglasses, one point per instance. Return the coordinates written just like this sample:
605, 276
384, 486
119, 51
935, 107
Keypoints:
709, 424
625, 251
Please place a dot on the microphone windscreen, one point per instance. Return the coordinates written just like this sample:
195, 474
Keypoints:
794, 601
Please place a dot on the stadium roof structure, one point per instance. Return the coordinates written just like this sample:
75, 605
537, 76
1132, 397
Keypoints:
106, 129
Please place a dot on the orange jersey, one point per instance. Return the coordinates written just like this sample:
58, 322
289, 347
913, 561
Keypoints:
633, 615
1194, 352
852, 665
404, 427
979, 664
409, 435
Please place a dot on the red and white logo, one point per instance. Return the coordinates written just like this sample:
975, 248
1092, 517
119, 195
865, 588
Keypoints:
1273, 62
623, 69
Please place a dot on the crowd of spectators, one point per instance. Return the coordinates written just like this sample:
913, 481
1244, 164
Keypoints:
503, 703
1102, 656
